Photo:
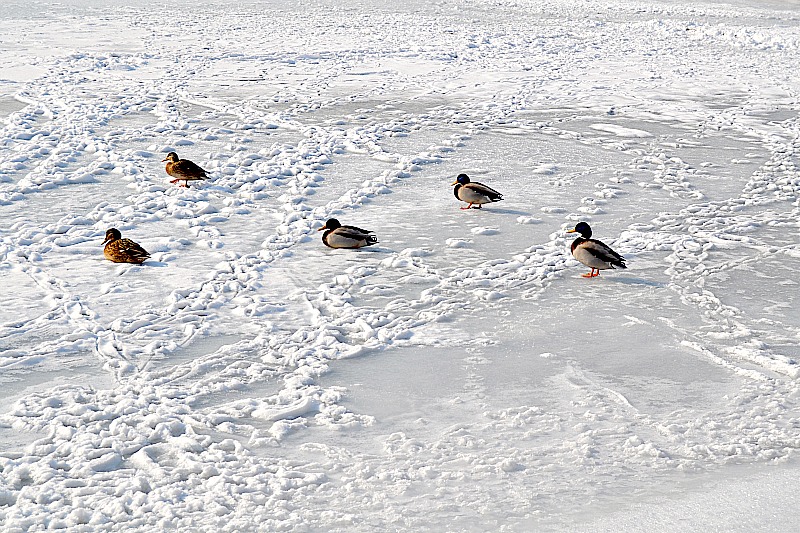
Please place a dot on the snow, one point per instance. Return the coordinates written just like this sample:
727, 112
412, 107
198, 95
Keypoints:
460, 375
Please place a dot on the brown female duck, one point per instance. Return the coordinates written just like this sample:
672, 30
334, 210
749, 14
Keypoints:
121, 250
183, 170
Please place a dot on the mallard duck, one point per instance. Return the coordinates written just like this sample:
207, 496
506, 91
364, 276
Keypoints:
474, 193
593, 253
121, 250
338, 236
183, 169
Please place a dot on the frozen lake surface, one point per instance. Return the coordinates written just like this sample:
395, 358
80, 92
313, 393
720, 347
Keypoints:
459, 376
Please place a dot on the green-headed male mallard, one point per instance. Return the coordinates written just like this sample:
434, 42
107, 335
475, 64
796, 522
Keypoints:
183, 170
474, 193
593, 253
338, 236
121, 250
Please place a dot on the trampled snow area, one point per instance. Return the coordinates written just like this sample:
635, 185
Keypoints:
461, 375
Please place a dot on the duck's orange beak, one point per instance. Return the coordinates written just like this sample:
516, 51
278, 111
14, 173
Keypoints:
165, 159
454, 183
572, 231
323, 227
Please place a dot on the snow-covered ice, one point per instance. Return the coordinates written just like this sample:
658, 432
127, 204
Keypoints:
458, 376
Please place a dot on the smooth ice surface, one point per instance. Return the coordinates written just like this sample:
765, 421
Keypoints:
459, 376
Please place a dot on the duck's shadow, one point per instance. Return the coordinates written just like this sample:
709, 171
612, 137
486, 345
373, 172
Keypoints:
501, 211
376, 250
626, 280
354, 252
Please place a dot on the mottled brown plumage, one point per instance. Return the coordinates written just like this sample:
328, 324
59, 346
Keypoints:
183, 170
121, 250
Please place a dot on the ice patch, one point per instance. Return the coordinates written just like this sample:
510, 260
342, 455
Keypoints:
621, 131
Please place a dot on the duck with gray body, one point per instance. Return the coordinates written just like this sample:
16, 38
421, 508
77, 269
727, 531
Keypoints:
338, 236
593, 253
474, 193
